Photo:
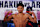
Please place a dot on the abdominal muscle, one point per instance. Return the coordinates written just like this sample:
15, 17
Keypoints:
20, 23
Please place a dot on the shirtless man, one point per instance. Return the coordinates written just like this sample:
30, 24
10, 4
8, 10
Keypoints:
21, 19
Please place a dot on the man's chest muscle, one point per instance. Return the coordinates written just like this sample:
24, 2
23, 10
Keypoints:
20, 18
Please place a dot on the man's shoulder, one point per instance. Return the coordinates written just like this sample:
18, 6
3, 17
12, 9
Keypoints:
14, 14
26, 14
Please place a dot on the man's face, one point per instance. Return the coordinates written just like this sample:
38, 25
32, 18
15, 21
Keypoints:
20, 9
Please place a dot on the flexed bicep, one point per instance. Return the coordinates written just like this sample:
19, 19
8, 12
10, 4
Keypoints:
32, 20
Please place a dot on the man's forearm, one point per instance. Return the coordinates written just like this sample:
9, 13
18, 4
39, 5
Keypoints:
6, 17
35, 20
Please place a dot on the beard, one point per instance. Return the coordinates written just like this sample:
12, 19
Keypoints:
20, 12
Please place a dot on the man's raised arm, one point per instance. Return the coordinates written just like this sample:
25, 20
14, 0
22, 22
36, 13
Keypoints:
31, 18
7, 17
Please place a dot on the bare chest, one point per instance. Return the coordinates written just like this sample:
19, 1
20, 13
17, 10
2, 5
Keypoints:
21, 18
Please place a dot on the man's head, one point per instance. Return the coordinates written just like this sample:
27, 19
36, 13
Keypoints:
20, 7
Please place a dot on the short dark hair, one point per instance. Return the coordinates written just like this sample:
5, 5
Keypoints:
20, 4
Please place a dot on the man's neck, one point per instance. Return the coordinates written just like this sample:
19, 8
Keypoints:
20, 13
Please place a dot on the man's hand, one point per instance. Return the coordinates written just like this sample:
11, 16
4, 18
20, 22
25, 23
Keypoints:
10, 11
33, 13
